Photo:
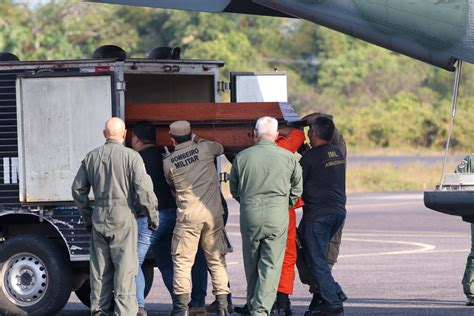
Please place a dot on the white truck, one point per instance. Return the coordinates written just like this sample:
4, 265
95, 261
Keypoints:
51, 114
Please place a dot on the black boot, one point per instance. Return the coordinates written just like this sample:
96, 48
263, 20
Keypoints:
222, 305
244, 310
180, 307
316, 302
283, 305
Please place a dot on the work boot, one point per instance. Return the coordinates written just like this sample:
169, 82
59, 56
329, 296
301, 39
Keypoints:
222, 305
197, 311
142, 312
180, 307
282, 306
212, 308
325, 311
469, 301
316, 302
342, 296
288, 310
244, 310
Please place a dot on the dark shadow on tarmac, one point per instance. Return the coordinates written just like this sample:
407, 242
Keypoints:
408, 307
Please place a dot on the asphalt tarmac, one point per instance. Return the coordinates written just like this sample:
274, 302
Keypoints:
397, 258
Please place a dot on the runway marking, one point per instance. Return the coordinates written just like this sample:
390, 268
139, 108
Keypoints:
383, 205
387, 197
407, 235
447, 251
233, 234
365, 205
396, 231
376, 233
422, 248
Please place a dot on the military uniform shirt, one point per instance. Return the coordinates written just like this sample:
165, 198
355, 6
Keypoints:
253, 177
191, 171
118, 178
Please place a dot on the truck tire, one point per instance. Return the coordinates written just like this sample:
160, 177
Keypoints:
35, 276
84, 292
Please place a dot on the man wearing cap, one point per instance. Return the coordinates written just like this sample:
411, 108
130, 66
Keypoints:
191, 172
120, 184
265, 188
144, 141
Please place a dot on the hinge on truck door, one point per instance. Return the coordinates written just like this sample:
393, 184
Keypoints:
223, 86
121, 86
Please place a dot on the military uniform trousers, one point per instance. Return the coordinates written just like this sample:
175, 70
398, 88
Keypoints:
209, 232
113, 261
468, 279
264, 230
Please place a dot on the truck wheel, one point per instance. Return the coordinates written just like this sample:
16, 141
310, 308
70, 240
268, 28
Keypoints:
84, 292
35, 277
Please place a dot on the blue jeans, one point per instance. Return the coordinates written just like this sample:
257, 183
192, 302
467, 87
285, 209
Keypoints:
164, 261
146, 239
316, 235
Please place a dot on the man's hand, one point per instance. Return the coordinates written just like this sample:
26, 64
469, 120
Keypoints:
303, 149
196, 138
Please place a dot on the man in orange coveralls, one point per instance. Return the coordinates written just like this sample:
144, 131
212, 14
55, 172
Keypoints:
292, 142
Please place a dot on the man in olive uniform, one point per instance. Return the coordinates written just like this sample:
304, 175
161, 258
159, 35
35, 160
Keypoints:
468, 279
120, 183
266, 180
191, 172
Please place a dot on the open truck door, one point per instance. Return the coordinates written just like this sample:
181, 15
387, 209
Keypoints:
60, 116
60, 119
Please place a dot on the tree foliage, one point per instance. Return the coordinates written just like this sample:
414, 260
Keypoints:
379, 98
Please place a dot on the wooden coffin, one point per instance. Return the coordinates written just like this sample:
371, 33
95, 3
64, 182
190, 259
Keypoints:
231, 124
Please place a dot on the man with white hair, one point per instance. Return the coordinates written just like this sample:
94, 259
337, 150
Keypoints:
266, 180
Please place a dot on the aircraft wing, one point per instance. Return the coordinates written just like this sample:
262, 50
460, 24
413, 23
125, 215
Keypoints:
434, 31
214, 6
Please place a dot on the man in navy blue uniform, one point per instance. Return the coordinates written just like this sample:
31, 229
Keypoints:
324, 195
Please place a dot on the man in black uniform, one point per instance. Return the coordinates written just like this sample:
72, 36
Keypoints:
324, 211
